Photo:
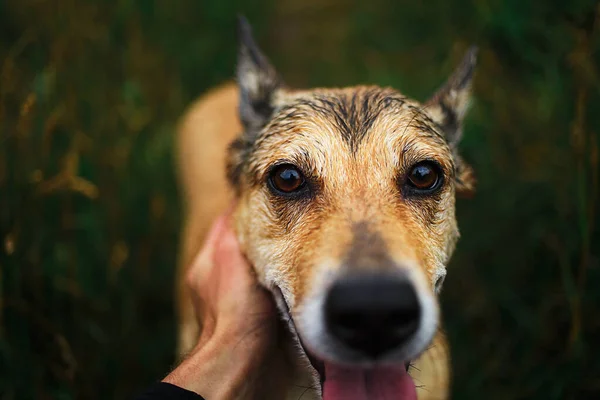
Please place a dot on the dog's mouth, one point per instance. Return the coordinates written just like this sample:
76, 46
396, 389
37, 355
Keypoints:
343, 382
339, 382
379, 383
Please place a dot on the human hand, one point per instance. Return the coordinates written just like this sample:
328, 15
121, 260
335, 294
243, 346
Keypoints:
237, 316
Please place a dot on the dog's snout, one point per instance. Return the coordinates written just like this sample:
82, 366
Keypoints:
373, 315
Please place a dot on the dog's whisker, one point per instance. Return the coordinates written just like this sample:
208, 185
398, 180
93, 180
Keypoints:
328, 182
412, 366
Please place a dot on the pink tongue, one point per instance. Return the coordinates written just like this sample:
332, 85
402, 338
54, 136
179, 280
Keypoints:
382, 383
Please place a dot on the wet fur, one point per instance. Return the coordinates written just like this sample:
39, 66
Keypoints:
355, 146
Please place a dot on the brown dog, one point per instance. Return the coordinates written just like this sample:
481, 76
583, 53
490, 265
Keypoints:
345, 207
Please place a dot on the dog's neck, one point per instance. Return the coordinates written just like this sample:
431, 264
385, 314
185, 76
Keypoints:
287, 373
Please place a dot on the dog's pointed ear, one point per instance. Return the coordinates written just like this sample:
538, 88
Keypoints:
257, 79
449, 104
448, 107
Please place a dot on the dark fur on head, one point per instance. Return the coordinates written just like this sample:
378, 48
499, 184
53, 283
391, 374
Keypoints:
263, 105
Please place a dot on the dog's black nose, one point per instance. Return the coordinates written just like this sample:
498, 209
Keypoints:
373, 314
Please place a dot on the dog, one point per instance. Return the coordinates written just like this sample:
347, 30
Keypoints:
345, 206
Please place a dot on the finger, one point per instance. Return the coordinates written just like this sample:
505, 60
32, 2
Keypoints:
228, 255
204, 259
210, 243
228, 248
214, 233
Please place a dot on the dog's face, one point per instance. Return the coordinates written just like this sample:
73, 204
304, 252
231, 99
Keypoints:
346, 206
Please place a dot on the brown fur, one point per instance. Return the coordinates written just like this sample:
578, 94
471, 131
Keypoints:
355, 147
425, 234
202, 144
313, 132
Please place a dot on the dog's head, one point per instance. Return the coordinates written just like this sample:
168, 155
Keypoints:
346, 204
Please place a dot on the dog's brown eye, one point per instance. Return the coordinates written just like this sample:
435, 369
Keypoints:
424, 176
287, 178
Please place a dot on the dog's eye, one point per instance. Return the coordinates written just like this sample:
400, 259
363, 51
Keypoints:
424, 176
287, 178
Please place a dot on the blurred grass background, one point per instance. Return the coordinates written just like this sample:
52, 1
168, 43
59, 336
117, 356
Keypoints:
90, 91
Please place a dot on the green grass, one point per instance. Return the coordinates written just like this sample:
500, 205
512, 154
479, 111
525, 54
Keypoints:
89, 210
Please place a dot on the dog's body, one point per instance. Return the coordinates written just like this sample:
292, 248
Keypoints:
350, 216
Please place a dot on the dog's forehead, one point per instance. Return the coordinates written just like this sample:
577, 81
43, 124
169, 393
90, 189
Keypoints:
355, 123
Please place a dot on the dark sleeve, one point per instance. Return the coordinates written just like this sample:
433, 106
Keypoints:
166, 391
